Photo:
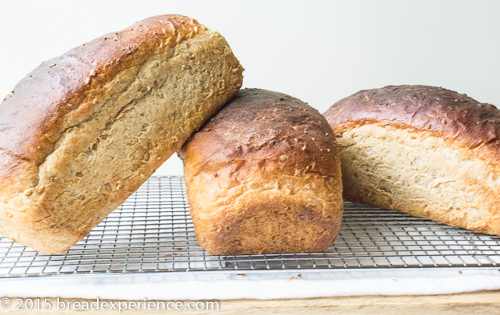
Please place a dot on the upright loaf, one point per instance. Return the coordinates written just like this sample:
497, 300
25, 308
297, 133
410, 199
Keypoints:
263, 176
83, 131
423, 150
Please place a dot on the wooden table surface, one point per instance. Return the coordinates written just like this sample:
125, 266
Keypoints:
485, 303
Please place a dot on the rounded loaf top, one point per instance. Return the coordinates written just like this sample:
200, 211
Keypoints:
448, 114
263, 176
273, 130
64, 91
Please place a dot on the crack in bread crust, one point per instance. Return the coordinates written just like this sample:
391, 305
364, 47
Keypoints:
7, 152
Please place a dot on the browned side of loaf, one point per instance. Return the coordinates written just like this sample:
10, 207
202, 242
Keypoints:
263, 176
423, 150
84, 130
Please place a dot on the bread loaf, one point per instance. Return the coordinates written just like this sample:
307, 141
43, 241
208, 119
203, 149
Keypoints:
83, 131
263, 176
423, 150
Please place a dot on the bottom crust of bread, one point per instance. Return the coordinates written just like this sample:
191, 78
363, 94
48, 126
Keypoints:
270, 214
418, 173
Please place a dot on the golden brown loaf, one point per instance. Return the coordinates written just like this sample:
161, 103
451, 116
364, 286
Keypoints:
263, 176
423, 150
83, 131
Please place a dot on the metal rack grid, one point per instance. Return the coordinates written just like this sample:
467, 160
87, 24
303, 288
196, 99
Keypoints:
152, 232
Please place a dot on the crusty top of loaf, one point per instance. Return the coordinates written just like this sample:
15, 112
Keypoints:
49, 100
448, 114
276, 129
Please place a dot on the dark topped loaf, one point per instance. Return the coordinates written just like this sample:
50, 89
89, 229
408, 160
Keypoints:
263, 176
423, 150
83, 131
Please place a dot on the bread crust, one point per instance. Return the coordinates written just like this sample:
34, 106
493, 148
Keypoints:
48, 100
84, 130
426, 151
263, 176
448, 114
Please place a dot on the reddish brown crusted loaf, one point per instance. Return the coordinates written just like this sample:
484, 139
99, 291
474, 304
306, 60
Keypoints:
263, 176
83, 131
423, 150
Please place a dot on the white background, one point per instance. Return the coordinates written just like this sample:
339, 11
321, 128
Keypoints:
318, 51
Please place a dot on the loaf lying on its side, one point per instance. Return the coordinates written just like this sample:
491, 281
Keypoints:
263, 176
83, 131
423, 150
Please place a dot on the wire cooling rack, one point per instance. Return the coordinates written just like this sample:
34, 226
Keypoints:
152, 232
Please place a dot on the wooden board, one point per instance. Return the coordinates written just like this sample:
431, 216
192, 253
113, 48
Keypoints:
456, 304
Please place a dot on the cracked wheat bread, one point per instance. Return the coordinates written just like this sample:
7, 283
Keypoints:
263, 176
83, 131
423, 150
